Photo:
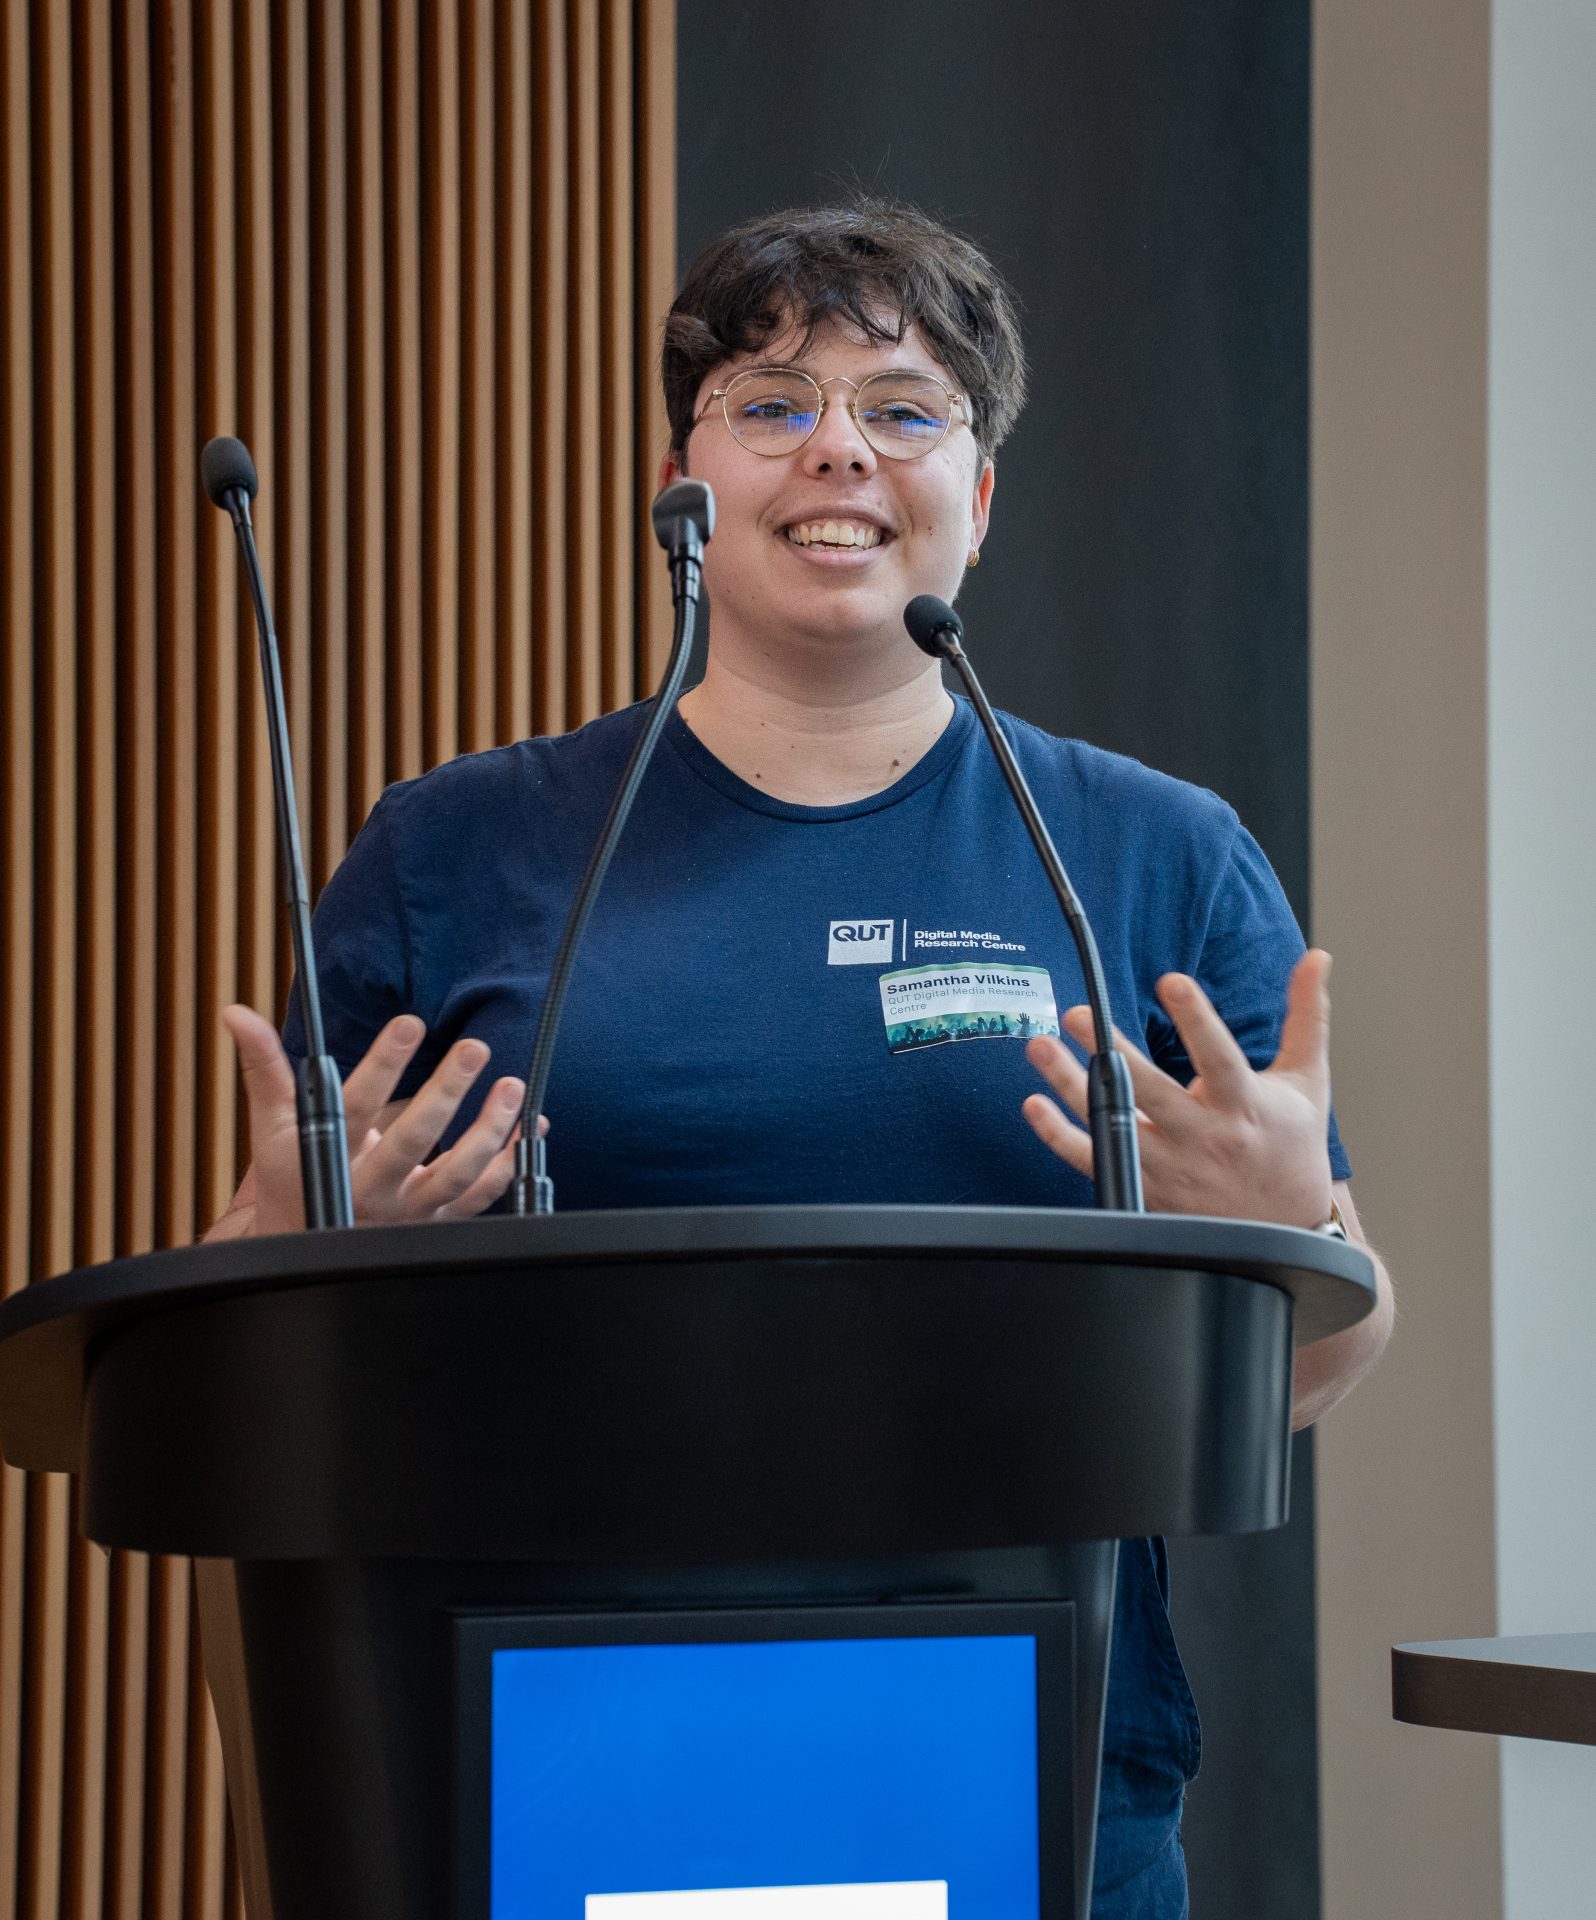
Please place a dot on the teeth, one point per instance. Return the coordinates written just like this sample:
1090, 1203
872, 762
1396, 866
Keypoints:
835, 533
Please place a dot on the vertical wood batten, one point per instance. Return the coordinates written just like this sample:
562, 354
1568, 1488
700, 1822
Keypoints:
217, 614
16, 802
16, 820
166, 1776
217, 609
177, 521
259, 895
16, 585
99, 1060
13, 1561
585, 372
44, 1698
47, 1631
176, 435
206, 1800
654, 238
618, 550
136, 843
368, 692
549, 639
514, 348
330, 466
125, 1736
289, 489
137, 664
440, 428
16, 882
56, 634
479, 378
402, 149
83, 1841
83, 1861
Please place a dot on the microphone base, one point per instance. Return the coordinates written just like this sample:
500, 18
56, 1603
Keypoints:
531, 1191
1116, 1150
323, 1143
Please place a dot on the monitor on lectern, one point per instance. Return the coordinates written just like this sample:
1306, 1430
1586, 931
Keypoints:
896, 1762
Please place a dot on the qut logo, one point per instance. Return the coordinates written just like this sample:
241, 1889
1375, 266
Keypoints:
856, 943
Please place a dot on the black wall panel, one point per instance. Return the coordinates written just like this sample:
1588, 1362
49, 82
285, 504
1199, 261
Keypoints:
1139, 169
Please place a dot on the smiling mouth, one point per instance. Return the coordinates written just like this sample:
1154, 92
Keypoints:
835, 536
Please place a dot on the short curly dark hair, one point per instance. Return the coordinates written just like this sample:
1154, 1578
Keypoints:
870, 263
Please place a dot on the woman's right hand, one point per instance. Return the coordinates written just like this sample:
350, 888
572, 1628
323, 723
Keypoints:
389, 1141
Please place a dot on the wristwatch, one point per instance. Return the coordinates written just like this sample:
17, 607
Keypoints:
1335, 1226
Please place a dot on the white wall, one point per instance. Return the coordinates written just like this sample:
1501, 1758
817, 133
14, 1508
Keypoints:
1542, 853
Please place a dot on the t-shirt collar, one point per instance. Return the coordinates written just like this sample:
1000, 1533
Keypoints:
935, 760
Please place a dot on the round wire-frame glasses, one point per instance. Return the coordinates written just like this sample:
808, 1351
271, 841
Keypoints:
773, 410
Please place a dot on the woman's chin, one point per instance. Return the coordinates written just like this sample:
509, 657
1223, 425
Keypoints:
858, 618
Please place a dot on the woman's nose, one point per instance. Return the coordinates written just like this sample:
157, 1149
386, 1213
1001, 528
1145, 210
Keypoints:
837, 445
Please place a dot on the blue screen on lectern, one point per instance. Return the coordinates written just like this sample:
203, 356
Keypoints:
850, 1779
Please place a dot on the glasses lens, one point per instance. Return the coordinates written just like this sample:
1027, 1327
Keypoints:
903, 414
772, 410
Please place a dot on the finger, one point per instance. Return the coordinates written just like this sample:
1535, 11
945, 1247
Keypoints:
1159, 1096
370, 1085
1227, 1073
1060, 1069
1055, 1129
268, 1078
455, 1172
417, 1130
493, 1180
1305, 1034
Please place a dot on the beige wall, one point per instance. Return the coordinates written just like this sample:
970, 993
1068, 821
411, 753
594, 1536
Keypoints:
1406, 1524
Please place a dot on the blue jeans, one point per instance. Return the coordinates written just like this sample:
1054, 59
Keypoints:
1152, 1746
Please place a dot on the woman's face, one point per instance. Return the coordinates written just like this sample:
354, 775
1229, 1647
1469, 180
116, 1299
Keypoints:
921, 517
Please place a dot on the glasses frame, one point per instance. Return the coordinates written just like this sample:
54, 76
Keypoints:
779, 453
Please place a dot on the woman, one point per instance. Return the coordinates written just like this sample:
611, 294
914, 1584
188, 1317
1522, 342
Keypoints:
824, 894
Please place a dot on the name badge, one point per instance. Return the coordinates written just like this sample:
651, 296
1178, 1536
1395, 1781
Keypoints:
969, 1000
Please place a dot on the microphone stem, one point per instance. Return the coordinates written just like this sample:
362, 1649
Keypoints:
1112, 1116
318, 1090
533, 1190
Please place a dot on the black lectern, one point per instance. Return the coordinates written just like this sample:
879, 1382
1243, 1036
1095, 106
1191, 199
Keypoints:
368, 1437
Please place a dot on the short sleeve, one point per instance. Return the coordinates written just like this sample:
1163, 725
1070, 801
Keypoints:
362, 947
1249, 944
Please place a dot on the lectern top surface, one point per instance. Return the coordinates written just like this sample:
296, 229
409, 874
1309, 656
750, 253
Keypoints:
1315, 1268
47, 1330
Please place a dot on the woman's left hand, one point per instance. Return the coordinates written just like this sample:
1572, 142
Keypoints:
1235, 1142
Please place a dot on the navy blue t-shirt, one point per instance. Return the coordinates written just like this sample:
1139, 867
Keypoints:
780, 1003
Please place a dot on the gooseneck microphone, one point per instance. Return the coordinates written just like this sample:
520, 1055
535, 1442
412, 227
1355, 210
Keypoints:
937, 630
229, 476
684, 518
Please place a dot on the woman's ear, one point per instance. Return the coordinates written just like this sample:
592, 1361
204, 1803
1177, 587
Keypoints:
981, 501
672, 466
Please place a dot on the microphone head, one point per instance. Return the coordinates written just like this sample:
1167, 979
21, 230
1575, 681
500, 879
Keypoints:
225, 467
683, 515
933, 626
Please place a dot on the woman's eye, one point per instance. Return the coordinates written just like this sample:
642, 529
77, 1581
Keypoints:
777, 407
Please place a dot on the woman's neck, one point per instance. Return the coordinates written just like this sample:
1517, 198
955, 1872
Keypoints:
818, 746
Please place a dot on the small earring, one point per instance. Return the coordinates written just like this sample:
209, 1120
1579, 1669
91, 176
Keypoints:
975, 557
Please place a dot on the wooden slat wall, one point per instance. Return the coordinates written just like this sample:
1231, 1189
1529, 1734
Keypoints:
415, 252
